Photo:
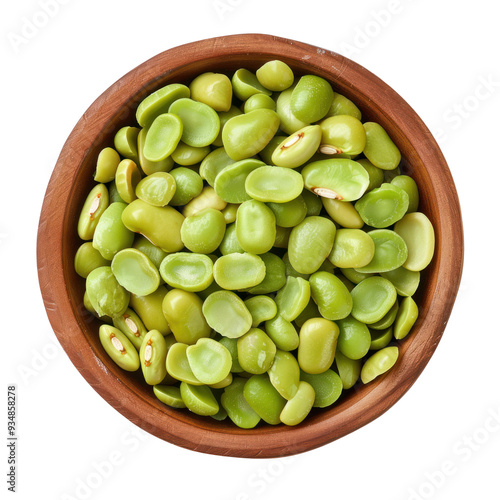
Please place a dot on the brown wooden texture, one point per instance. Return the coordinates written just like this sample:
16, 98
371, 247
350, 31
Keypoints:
62, 289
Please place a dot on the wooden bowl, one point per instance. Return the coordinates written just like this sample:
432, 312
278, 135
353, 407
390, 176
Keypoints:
77, 330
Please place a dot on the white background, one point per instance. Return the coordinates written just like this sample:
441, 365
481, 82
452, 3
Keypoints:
438, 56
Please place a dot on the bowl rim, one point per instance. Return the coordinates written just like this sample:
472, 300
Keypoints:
177, 427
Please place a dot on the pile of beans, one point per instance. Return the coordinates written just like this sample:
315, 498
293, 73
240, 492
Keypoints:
252, 246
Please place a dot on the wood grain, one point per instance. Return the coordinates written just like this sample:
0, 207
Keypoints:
62, 289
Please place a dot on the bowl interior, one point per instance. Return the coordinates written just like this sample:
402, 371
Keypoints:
78, 330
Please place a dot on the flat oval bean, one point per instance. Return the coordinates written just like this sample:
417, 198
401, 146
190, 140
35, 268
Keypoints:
282, 333
352, 248
297, 408
406, 183
353, 276
275, 75
149, 309
231, 181
237, 271
376, 174
209, 360
387, 320
274, 184
178, 366
150, 167
131, 325
126, 180
163, 137
213, 89
225, 382
349, 369
313, 203
188, 184
255, 227
406, 317
262, 308
111, 235
264, 399
341, 105
94, 206
418, 234
390, 252
293, 298
343, 213
169, 395
284, 374
87, 258
125, 143
298, 148
372, 299
310, 243
192, 272
227, 314
106, 295
183, 312
229, 243
224, 117
289, 123
113, 193
380, 149
331, 295
232, 346
327, 387
380, 338
119, 348
256, 351
153, 356
200, 123
89, 308
342, 134
229, 213
311, 98
317, 345
383, 206
203, 232
160, 225
259, 101
238, 410
156, 189
107, 163
245, 135
379, 363
354, 338
245, 84
135, 272
340, 179
199, 399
